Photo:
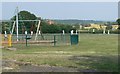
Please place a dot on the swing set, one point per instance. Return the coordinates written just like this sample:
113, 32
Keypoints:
7, 38
14, 36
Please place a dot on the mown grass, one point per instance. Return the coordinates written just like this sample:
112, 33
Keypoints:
94, 52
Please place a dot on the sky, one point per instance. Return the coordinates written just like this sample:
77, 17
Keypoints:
105, 11
59, 0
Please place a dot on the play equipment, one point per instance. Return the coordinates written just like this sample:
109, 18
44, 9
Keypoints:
9, 40
15, 23
38, 28
33, 38
6, 41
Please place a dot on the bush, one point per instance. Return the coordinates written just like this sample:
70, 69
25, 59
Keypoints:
55, 28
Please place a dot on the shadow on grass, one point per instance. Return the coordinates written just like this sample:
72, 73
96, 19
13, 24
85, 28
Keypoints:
96, 63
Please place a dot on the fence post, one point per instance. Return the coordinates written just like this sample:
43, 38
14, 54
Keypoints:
64, 39
26, 39
54, 40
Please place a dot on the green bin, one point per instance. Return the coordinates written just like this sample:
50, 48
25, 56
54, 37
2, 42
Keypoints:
74, 39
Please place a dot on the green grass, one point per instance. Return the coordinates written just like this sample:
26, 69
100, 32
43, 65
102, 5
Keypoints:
94, 52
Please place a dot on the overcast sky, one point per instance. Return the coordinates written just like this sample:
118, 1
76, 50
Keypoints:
107, 11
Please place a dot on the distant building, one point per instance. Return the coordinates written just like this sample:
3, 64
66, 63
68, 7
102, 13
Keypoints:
114, 27
87, 27
97, 26
103, 26
50, 22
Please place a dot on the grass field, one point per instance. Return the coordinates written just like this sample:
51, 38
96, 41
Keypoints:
94, 52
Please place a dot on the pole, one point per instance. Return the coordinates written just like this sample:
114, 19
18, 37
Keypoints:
54, 40
26, 37
17, 22
93, 31
80, 29
26, 40
37, 30
103, 31
108, 31
13, 27
9, 40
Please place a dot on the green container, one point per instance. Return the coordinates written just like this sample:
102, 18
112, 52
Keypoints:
74, 39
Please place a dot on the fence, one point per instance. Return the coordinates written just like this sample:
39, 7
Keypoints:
43, 40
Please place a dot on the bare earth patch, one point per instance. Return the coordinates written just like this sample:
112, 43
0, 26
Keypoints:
14, 66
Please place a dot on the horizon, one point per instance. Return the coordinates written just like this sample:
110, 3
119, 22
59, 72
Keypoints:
72, 19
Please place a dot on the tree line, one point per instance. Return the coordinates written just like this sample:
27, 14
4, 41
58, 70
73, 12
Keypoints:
32, 25
45, 26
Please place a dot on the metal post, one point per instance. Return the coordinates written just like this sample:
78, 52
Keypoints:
37, 30
93, 31
108, 31
79, 34
17, 22
54, 40
103, 31
13, 27
63, 32
80, 29
26, 39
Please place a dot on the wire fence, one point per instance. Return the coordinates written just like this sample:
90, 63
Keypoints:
43, 40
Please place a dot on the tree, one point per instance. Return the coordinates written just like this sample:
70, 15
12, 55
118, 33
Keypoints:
118, 21
109, 27
45, 27
25, 15
5, 27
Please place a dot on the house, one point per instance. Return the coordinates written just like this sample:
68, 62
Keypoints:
50, 22
114, 27
97, 26
103, 26
87, 27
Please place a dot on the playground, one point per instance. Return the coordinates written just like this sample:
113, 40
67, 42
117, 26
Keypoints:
31, 50
93, 53
13, 36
